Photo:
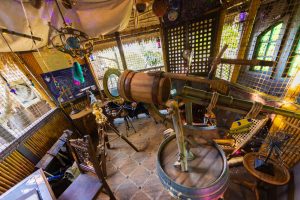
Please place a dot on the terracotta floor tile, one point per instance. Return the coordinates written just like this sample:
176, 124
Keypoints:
116, 180
119, 159
153, 187
139, 157
128, 167
126, 190
140, 175
150, 163
140, 195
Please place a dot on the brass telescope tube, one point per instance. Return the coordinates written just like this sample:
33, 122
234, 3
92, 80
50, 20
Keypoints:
194, 95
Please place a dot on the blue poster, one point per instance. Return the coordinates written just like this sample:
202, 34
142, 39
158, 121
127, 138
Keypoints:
64, 88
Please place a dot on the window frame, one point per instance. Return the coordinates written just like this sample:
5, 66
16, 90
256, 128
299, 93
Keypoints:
292, 55
258, 45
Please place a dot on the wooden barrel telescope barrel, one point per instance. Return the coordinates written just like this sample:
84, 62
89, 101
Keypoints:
207, 176
148, 87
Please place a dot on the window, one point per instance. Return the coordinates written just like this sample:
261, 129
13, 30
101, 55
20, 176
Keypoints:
266, 45
21, 106
294, 59
143, 55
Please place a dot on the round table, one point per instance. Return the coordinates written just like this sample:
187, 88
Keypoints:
281, 173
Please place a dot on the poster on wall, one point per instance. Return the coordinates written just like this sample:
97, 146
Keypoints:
24, 93
63, 87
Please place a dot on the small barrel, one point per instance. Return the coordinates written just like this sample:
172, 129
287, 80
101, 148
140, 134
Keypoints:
148, 87
207, 176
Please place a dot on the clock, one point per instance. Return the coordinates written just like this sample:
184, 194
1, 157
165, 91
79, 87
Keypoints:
173, 15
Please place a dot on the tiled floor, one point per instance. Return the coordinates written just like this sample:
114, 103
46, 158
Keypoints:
132, 175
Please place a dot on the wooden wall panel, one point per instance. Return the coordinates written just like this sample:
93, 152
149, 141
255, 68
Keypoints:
13, 169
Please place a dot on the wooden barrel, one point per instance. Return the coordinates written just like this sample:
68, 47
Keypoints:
207, 176
144, 87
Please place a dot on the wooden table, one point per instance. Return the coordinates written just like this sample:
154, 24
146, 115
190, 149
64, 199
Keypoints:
281, 173
35, 181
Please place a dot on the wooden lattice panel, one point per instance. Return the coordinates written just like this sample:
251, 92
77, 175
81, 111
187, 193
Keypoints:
198, 35
200, 40
291, 149
175, 48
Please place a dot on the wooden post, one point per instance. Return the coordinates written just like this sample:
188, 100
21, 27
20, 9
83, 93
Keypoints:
246, 37
163, 45
120, 47
219, 32
177, 123
87, 61
189, 113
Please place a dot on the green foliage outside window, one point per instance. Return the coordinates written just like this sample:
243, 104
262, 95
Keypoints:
265, 47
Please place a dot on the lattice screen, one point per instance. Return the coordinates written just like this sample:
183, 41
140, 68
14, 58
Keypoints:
21, 106
140, 55
198, 35
231, 35
273, 80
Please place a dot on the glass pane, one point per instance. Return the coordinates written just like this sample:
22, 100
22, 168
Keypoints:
112, 84
268, 58
271, 49
260, 58
276, 32
266, 36
262, 49
265, 69
257, 68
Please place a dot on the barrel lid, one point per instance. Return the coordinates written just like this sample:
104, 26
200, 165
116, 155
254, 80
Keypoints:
204, 170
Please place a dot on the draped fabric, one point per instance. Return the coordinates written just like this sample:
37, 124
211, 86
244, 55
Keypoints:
94, 17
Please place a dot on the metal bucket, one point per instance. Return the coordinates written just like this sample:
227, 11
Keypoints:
208, 173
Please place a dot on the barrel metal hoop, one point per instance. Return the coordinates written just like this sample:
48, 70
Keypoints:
214, 190
127, 83
155, 86
121, 84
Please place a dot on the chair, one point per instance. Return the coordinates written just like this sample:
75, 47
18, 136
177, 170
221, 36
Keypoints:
91, 180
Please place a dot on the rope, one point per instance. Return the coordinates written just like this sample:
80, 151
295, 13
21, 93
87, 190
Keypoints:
39, 53
255, 110
213, 102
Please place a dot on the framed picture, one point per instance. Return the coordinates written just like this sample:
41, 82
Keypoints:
24, 93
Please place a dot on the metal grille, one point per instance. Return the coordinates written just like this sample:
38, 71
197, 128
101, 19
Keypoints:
198, 35
272, 80
21, 106
144, 55
231, 35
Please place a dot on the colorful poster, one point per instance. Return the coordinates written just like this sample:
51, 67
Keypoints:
62, 86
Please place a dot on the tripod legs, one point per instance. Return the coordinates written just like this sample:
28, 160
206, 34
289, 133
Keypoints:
121, 136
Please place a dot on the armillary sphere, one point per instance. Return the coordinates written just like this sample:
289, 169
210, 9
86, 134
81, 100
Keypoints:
72, 41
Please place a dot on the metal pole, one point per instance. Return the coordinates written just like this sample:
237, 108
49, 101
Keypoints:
120, 47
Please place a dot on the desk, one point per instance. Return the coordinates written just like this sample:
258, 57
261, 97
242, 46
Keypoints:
36, 180
281, 173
